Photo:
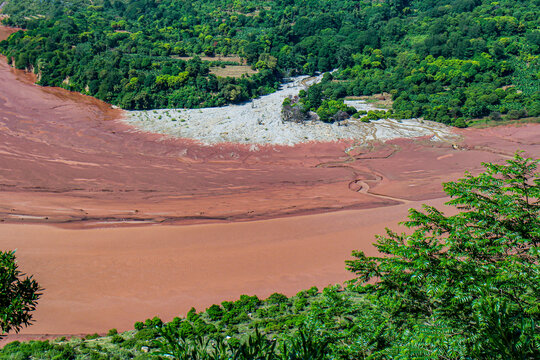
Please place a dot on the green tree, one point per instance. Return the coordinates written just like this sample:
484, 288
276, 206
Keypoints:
18, 295
474, 277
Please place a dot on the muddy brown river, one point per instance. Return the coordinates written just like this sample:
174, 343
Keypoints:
119, 225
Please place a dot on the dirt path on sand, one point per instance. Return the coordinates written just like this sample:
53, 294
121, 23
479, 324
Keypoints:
66, 160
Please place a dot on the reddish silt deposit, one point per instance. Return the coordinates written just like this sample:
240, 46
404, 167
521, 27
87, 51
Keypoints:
66, 159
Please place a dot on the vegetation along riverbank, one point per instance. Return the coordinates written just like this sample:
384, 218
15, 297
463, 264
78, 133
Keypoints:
459, 286
446, 61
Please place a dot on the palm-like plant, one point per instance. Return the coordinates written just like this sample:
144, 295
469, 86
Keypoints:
305, 344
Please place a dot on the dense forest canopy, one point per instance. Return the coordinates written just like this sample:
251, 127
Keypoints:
448, 61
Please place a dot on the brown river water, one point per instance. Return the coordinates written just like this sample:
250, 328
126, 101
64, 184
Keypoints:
119, 225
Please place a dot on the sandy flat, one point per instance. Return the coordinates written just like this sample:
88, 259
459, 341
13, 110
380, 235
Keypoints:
258, 122
98, 279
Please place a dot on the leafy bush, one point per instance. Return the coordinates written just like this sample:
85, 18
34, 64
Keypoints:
457, 274
18, 295
145, 334
277, 298
117, 339
215, 312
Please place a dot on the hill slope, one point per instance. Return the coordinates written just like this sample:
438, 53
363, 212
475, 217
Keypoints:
447, 61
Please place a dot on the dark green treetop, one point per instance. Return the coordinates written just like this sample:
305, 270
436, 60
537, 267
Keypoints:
18, 295
473, 277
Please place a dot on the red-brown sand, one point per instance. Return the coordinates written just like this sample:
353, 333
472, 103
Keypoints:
96, 279
66, 160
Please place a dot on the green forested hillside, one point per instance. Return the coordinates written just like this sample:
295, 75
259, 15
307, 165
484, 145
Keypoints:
443, 60
465, 286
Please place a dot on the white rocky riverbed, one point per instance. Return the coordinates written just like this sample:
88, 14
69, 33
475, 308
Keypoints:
259, 122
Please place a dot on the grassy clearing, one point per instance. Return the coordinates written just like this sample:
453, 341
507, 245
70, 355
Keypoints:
380, 101
232, 71
487, 122
234, 59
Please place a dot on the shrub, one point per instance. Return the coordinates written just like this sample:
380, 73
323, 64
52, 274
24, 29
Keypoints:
460, 123
293, 110
465, 283
18, 295
534, 109
215, 312
313, 291
227, 305
495, 116
276, 298
117, 339
192, 315
145, 334
300, 304
129, 343
334, 110
155, 321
